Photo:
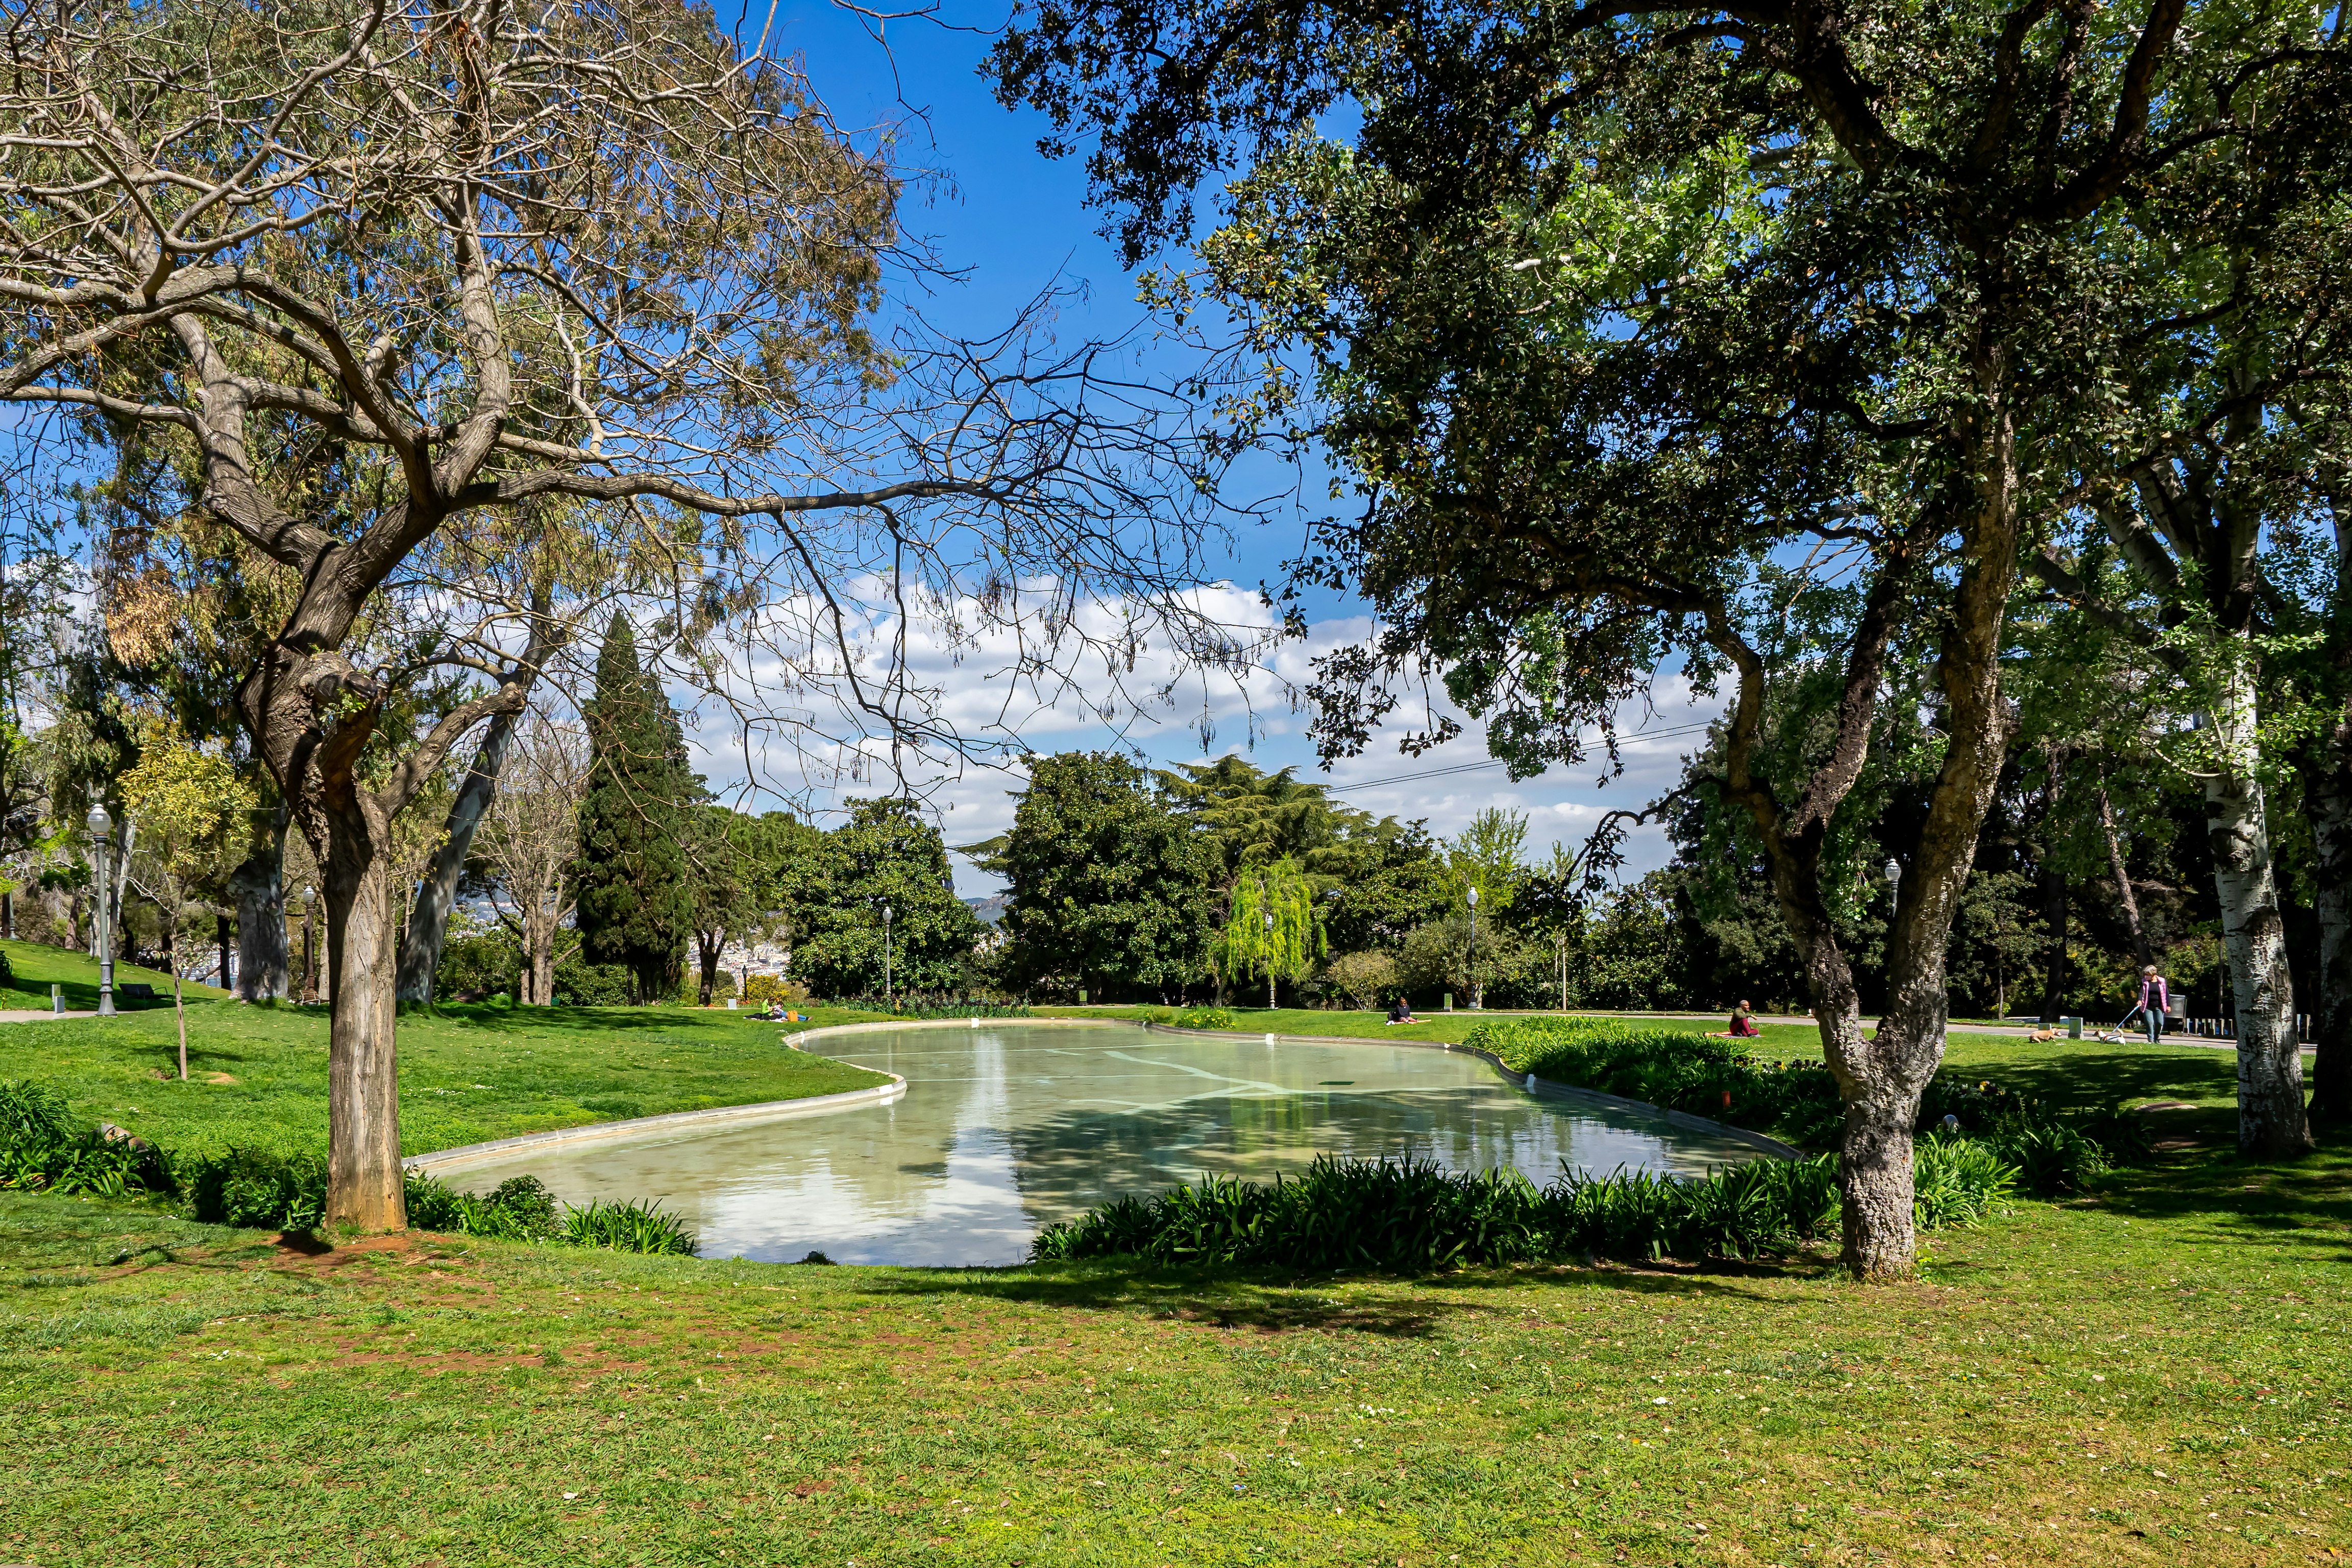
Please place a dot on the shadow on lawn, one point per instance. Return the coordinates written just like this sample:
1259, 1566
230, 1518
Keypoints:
1276, 1301
2311, 1198
2098, 1079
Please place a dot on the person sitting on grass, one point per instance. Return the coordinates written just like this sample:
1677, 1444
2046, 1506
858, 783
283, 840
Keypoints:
1401, 1011
1743, 1026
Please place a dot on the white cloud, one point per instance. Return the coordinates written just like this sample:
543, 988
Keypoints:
977, 685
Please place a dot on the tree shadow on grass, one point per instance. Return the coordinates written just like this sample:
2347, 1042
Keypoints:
2097, 1079
1274, 1300
2228, 1197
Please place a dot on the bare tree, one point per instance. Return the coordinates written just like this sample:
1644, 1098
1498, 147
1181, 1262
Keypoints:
446, 304
528, 836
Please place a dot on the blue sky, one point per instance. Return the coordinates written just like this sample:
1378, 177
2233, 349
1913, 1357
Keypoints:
1013, 222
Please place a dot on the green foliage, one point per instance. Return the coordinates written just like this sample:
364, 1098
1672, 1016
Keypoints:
579, 984
257, 1188
1959, 1181
1273, 931
476, 960
1107, 881
627, 1227
635, 900
885, 854
1202, 1019
919, 1005
1412, 1216
520, 1208
41, 1150
759, 990
1364, 979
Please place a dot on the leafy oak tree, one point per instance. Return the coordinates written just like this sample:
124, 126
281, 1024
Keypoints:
1763, 340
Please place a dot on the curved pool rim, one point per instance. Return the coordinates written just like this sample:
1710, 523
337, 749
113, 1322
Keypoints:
455, 1159
1526, 1082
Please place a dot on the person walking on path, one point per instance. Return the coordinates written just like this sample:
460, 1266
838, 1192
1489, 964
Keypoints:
2155, 999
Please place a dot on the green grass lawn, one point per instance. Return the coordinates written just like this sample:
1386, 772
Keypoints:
257, 1076
33, 967
2154, 1375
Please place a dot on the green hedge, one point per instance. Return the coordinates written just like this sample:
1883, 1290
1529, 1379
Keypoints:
2054, 1151
1410, 1217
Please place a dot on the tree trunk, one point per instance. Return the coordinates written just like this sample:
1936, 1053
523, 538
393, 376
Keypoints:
259, 888
364, 1186
2271, 1119
2054, 917
706, 949
428, 918
179, 1012
2142, 953
222, 933
2331, 1070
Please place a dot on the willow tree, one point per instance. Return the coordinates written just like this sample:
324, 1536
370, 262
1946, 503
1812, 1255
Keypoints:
1751, 340
445, 303
1272, 928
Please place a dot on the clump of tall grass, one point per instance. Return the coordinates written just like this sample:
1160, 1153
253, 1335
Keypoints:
1410, 1217
41, 1150
926, 1006
627, 1227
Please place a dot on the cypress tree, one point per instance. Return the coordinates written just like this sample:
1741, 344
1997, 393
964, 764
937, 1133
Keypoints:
635, 907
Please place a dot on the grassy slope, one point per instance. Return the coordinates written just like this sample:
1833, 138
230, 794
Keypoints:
2156, 1376
258, 1075
34, 966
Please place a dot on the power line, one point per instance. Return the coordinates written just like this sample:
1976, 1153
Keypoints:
1498, 762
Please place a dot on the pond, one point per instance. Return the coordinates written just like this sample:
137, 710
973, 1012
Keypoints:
1006, 1129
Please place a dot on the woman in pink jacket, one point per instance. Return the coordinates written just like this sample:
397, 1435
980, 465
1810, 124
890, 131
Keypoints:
2155, 999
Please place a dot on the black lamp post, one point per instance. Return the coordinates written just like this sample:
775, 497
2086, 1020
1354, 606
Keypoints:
101, 833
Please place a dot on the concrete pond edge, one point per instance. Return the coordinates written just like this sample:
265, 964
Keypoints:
445, 1160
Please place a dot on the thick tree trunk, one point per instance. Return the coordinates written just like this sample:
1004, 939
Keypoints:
364, 1187
542, 963
706, 949
259, 888
2327, 795
2271, 1119
428, 918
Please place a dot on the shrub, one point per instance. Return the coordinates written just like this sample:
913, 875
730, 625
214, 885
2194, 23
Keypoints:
520, 1208
1957, 1181
42, 1149
259, 1189
1365, 979
1407, 1216
759, 990
628, 1228
579, 984
1204, 1018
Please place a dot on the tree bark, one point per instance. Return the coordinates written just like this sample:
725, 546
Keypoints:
364, 1185
2327, 792
2142, 953
2272, 1123
2054, 920
428, 918
259, 888
707, 944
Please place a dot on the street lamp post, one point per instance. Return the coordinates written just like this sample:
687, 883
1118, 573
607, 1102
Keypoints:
1477, 992
1892, 872
889, 997
101, 831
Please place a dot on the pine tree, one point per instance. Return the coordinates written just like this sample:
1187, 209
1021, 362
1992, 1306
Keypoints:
635, 907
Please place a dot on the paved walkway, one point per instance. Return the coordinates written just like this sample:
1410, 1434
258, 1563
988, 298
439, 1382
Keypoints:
36, 1014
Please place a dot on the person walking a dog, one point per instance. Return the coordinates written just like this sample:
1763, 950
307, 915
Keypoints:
2155, 1001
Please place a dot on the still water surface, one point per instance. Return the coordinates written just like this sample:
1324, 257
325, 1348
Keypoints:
1005, 1130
